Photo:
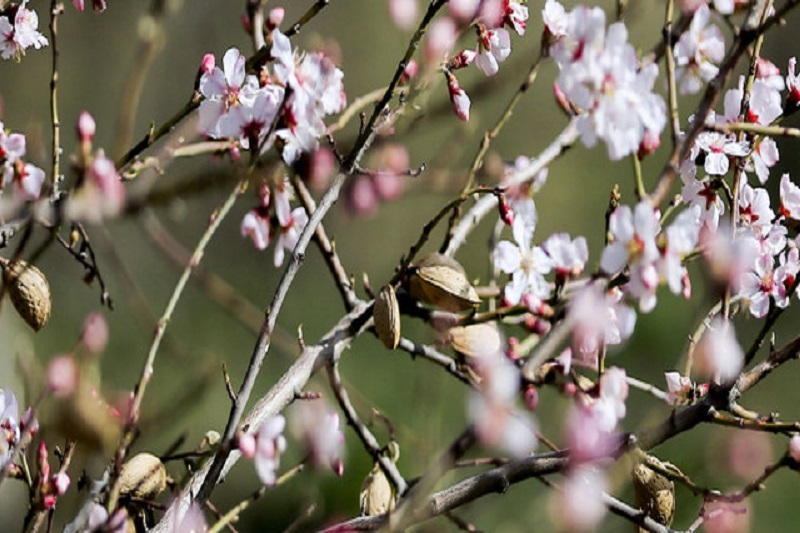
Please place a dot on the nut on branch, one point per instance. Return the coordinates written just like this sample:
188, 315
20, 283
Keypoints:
386, 314
143, 477
441, 281
475, 340
29, 292
654, 494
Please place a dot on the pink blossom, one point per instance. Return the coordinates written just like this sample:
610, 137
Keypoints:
769, 72
758, 284
794, 448
581, 501
754, 210
792, 83
614, 390
568, 256
318, 429
786, 276
494, 47
101, 195
718, 148
9, 426
275, 17
290, 224
703, 194
256, 225
679, 388
361, 197
224, 91
27, 180
491, 409
790, 198
601, 74
749, 453
403, 13
729, 256
680, 240
600, 319
526, 264
555, 21
634, 244
698, 51
720, 516
718, 354
762, 158
186, 518
16, 38
515, 16
270, 444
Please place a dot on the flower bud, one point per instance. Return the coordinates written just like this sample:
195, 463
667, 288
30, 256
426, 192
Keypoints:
458, 98
208, 63
94, 334
275, 18
86, 127
62, 375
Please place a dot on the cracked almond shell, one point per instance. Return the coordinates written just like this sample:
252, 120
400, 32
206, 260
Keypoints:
143, 477
654, 494
29, 292
441, 282
386, 314
476, 340
377, 495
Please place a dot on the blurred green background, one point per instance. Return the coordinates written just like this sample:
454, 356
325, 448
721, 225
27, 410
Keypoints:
187, 396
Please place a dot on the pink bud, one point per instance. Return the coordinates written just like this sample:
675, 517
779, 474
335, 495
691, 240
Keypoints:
49, 501
61, 483
62, 375
409, 72
362, 199
29, 422
44, 465
208, 64
275, 17
323, 165
78, 4
493, 12
263, 194
531, 397
463, 59
570, 389
794, 448
95, 333
766, 68
403, 13
649, 144
338, 467
458, 98
506, 213
246, 443
86, 127
388, 186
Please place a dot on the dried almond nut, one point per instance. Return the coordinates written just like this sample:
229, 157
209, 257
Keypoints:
654, 493
29, 292
143, 477
387, 317
377, 495
440, 281
476, 340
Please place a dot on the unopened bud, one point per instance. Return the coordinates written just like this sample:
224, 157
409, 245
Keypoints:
458, 98
409, 72
86, 127
463, 59
246, 443
649, 144
531, 397
506, 213
275, 17
62, 375
94, 334
208, 64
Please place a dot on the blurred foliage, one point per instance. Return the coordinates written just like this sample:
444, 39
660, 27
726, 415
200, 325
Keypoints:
426, 406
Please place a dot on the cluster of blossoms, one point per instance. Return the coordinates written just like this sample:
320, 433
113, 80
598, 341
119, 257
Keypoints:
490, 18
283, 106
24, 179
601, 76
263, 225
19, 31
528, 264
